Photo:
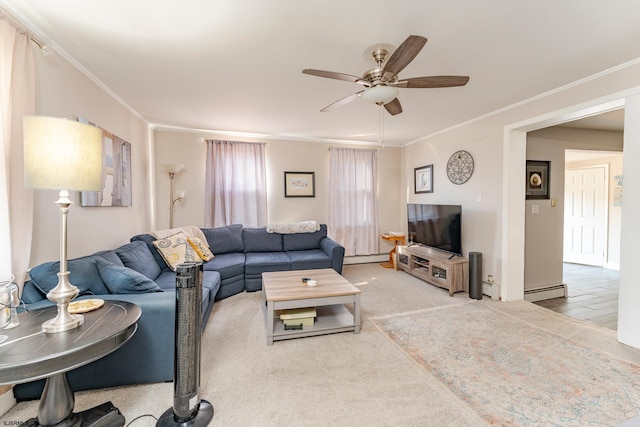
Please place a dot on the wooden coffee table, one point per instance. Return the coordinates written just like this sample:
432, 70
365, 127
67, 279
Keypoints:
285, 290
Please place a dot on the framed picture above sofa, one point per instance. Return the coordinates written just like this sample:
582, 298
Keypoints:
299, 184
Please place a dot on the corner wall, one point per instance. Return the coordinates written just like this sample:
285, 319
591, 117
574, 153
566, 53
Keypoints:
63, 91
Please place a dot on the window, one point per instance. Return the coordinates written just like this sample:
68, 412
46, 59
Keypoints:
235, 184
353, 203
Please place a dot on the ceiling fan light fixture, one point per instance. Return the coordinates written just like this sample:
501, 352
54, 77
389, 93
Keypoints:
380, 94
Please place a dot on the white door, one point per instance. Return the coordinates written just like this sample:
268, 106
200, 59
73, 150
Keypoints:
585, 203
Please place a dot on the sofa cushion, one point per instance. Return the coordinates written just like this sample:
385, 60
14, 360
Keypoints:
200, 248
176, 250
228, 265
259, 240
224, 240
148, 239
83, 273
138, 257
260, 262
210, 285
309, 260
124, 280
112, 256
304, 241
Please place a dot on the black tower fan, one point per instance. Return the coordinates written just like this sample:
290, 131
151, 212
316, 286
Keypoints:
188, 409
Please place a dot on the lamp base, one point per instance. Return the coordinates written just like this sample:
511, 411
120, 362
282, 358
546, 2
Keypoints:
62, 323
62, 295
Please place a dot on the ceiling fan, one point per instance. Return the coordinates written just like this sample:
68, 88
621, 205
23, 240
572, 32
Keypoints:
381, 83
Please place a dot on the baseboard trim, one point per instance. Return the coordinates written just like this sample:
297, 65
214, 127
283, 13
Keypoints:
613, 266
364, 259
546, 292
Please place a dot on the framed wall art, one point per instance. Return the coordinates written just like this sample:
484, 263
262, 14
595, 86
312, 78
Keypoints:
116, 173
423, 179
299, 184
537, 179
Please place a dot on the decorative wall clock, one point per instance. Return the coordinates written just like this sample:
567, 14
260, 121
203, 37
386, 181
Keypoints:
460, 167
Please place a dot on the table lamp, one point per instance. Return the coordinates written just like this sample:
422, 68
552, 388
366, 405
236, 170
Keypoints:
62, 155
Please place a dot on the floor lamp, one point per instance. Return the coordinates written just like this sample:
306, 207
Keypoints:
62, 155
172, 170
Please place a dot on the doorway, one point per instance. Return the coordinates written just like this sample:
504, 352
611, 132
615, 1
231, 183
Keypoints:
585, 215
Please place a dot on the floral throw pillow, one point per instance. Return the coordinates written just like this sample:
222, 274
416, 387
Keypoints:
200, 248
175, 250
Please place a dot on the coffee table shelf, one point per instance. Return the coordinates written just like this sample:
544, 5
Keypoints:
331, 297
330, 319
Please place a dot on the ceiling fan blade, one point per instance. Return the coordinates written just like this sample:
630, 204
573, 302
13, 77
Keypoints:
432, 81
403, 55
347, 99
334, 75
393, 107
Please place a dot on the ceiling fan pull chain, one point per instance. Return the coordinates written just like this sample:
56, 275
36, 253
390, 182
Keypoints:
380, 126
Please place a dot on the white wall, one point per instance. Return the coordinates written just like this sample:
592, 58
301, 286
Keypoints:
543, 230
281, 155
629, 292
63, 91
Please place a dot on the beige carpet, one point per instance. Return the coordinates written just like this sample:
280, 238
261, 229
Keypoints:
342, 379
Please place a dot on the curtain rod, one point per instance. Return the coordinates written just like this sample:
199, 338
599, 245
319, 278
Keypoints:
44, 48
5, 14
362, 149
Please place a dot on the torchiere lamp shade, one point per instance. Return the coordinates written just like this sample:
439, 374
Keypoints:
62, 154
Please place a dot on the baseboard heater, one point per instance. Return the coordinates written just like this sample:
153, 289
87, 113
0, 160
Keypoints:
546, 292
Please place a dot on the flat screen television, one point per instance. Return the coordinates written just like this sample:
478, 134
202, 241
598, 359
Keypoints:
436, 226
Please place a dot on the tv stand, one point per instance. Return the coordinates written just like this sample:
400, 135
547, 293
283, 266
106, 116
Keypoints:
436, 267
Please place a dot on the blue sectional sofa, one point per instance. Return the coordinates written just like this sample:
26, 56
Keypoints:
136, 272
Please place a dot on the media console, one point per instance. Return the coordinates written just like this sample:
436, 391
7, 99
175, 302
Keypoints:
434, 266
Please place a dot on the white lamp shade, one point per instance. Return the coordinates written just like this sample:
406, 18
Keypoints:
380, 94
62, 154
172, 168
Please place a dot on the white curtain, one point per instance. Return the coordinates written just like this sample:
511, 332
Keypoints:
17, 99
235, 187
353, 203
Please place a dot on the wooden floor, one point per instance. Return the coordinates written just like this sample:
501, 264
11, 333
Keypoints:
593, 295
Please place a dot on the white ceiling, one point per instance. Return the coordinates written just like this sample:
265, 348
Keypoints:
235, 65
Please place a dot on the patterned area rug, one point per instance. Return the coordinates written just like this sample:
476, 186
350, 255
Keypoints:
514, 373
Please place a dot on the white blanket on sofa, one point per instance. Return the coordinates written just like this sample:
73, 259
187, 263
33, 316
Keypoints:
294, 227
188, 230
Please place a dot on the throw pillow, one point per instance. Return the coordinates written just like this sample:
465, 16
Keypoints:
83, 274
123, 280
175, 250
137, 256
201, 249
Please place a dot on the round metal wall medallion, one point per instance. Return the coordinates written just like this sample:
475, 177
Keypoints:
460, 167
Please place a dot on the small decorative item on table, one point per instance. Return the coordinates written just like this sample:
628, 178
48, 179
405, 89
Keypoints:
85, 305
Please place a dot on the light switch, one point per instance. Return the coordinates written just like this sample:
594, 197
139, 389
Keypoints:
535, 209
554, 203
